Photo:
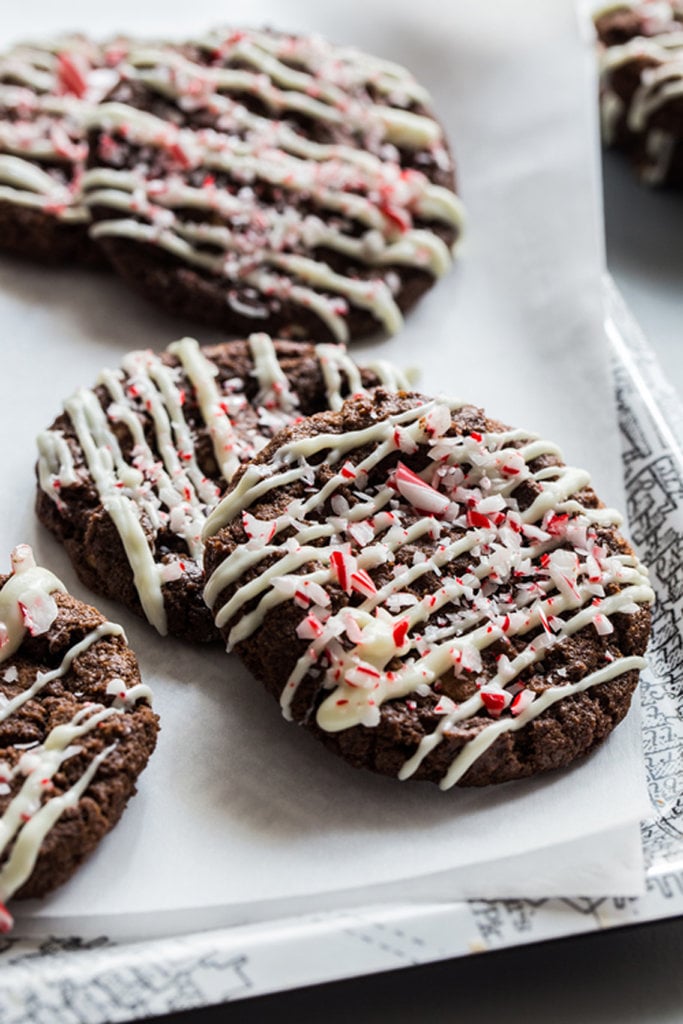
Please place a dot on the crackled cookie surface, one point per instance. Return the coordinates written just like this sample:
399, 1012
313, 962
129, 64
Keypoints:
264, 181
641, 57
130, 470
432, 594
76, 730
46, 91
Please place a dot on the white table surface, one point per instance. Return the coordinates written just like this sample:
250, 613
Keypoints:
628, 976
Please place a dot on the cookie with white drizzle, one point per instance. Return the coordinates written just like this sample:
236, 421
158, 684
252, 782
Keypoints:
76, 730
641, 86
264, 181
430, 593
129, 471
46, 90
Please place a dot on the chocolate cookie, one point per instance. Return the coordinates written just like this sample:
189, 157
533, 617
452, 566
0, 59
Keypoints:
130, 470
76, 730
45, 92
641, 96
263, 180
432, 594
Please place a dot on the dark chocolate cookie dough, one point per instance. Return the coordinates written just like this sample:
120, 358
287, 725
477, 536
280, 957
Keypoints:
641, 94
263, 181
130, 470
75, 730
430, 593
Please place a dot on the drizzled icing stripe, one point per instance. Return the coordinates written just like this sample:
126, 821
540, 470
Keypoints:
322, 91
661, 83
262, 246
160, 485
567, 580
26, 604
48, 90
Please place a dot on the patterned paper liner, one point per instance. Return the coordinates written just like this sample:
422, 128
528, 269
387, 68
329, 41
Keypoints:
69, 980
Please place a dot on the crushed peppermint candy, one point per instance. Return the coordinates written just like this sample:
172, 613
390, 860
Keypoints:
38, 611
445, 576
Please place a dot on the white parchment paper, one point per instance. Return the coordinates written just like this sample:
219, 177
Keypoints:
240, 815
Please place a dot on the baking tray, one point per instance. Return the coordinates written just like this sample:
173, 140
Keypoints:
68, 980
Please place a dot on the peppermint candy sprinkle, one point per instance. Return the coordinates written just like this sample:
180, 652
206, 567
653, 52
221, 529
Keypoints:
538, 571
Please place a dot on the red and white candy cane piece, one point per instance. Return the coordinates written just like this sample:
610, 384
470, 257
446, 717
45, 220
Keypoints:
259, 530
70, 76
64, 145
445, 706
317, 594
362, 675
404, 441
602, 624
396, 216
361, 532
343, 565
6, 920
362, 583
38, 612
352, 629
514, 464
495, 701
310, 628
400, 632
438, 421
421, 495
477, 520
555, 523
521, 701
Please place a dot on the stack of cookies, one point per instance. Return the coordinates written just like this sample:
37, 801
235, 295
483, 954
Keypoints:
431, 593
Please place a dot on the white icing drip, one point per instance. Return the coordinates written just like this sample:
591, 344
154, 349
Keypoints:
127, 697
567, 596
163, 487
201, 374
273, 384
108, 469
333, 362
267, 284
26, 849
56, 467
391, 376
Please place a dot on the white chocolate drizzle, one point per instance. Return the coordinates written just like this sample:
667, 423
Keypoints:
661, 83
360, 204
47, 91
160, 486
537, 574
32, 812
